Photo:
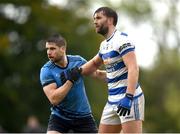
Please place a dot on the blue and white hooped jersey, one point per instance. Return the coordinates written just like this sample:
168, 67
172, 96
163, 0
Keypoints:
111, 52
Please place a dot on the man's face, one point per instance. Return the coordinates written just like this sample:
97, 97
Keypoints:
54, 52
101, 23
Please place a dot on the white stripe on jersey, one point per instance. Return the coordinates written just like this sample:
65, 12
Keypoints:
120, 83
116, 73
115, 98
112, 60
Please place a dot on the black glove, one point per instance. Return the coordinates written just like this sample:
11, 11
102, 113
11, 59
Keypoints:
73, 74
125, 104
63, 78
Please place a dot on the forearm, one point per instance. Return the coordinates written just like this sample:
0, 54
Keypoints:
92, 65
133, 75
89, 68
60, 93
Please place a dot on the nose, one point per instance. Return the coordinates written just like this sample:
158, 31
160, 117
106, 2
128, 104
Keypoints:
48, 52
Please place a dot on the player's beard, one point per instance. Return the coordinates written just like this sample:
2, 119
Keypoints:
58, 60
103, 30
55, 59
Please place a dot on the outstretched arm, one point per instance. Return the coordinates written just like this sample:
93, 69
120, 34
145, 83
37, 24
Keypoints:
91, 66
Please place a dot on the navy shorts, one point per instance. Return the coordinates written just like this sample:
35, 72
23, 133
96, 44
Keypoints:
77, 125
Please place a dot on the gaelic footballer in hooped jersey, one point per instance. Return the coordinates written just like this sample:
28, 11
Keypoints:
111, 52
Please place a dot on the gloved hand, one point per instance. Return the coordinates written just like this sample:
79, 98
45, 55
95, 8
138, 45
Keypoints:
71, 74
63, 78
125, 104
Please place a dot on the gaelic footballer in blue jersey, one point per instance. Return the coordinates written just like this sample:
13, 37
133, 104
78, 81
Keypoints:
64, 87
124, 110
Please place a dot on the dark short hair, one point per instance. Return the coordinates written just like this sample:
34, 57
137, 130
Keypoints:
57, 39
109, 13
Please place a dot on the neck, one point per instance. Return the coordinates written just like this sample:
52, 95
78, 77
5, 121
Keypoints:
62, 62
110, 32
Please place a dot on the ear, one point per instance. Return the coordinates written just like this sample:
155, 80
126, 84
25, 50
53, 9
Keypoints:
110, 20
63, 48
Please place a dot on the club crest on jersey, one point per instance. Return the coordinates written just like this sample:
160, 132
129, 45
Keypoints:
105, 47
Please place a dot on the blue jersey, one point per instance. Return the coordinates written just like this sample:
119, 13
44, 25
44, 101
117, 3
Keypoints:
111, 52
75, 104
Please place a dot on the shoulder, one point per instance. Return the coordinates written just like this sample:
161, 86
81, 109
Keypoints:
47, 66
121, 38
121, 35
46, 74
76, 58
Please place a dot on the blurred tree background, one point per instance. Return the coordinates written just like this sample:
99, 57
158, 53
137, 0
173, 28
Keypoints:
24, 24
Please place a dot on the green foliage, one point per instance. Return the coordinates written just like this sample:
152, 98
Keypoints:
137, 9
22, 55
161, 87
97, 94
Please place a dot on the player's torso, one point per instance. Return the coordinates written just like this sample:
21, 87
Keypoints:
116, 69
112, 59
76, 99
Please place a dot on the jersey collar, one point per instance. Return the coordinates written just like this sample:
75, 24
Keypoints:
111, 35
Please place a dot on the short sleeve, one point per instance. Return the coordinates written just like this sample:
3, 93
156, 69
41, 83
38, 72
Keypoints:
126, 45
83, 60
46, 77
125, 48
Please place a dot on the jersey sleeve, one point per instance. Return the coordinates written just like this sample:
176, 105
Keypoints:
83, 60
46, 77
100, 54
126, 45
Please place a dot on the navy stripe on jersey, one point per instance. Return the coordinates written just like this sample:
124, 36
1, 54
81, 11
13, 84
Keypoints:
116, 91
111, 54
100, 55
117, 102
125, 34
120, 90
126, 51
115, 67
48, 82
118, 78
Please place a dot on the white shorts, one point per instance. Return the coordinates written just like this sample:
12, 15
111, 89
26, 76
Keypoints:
110, 116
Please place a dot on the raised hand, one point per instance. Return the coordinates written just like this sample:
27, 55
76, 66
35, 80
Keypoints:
71, 74
63, 78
